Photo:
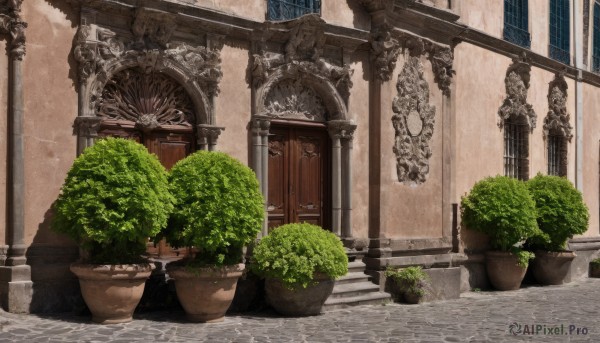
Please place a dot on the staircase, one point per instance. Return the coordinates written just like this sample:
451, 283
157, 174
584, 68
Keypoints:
355, 289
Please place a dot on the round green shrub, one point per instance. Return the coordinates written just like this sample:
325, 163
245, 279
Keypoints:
114, 198
502, 208
561, 212
218, 207
293, 253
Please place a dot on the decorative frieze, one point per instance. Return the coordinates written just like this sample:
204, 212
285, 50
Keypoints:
557, 119
516, 84
413, 120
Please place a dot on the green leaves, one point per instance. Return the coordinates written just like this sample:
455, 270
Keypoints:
561, 212
114, 197
502, 208
410, 279
293, 253
218, 209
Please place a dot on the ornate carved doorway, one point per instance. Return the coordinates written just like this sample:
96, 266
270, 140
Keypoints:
299, 169
154, 110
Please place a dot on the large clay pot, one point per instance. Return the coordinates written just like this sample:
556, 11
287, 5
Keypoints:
300, 301
112, 292
503, 270
205, 293
551, 268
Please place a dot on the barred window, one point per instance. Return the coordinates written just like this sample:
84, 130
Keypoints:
290, 9
516, 25
557, 154
596, 41
559, 48
516, 148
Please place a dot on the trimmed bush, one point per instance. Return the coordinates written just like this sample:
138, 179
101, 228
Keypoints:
561, 212
218, 207
293, 253
411, 280
502, 208
114, 197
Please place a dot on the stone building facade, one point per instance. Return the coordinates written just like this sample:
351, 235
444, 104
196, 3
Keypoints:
370, 118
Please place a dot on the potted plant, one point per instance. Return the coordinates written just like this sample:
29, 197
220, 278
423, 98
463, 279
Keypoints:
218, 210
300, 263
114, 198
561, 213
502, 208
410, 283
595, 268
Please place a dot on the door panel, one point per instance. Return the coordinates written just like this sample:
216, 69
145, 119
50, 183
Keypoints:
298, 171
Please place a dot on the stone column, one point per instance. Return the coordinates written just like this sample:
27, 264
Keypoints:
15, 277
208, 136
347, 141
87, 131
341, 133
260, 160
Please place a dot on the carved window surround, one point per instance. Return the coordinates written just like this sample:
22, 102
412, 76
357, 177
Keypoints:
146, 47
306, 83
557, 127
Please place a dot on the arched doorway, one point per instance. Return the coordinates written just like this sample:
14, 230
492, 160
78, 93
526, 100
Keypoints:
154, 110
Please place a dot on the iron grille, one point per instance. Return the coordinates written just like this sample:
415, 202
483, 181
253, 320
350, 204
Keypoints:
290, 9
557, 155
559, 31
516, 145
516, 28
596, 41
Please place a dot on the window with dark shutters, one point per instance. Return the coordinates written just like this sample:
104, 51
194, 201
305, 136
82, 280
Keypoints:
559, 31
290, 9
516, 24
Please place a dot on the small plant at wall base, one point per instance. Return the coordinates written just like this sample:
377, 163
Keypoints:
595, 268
299, 262
412, 282
114, 197
561, 214
502, 208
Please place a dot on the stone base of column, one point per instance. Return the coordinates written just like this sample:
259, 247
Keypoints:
16, 288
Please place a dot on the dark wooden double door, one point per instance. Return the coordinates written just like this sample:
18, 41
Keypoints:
298, 176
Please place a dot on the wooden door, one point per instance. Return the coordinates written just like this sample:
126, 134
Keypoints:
298, 176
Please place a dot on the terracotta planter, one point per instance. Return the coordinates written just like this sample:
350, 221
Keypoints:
112, 291
301, 301
205, 293
552, 268
503, 271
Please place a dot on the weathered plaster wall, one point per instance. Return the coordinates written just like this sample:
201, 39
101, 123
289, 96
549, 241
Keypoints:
233, 105
410, 211
348, 13
479, 92
591, 153
478, 15
3, 134
50, 108
251, 9
359, 112
539, 27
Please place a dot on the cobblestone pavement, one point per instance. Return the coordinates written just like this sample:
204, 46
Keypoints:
571, 311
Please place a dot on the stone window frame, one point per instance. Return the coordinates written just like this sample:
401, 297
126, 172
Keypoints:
515, 129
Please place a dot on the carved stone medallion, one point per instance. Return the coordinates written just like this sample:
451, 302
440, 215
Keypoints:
148, 99
413, 121
291, 99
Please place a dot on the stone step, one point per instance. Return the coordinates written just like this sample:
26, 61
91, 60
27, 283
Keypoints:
372, 298
356, 266
353, 289
352, 277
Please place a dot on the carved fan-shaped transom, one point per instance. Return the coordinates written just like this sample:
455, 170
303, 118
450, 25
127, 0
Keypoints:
293, 100
148, 99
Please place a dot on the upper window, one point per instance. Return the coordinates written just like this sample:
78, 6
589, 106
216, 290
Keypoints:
596, 45
559, 31
290, 9
516, 27
516, 148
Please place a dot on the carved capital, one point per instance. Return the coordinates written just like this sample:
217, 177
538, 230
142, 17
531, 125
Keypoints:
441, 62
341, 129
208, 134
386, 49
13, 24
261, 124
517, 84
87, 126
557, 119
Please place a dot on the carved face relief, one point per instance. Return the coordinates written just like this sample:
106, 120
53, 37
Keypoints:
148, 99
413, 121
291, 99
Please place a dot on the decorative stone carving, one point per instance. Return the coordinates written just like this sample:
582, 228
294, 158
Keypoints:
291, 99
342, 129
557, 119
208, 134
515, 104
148, 99
87, 126
152, 29
386, 49
413, 121
302, 61
12, 23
